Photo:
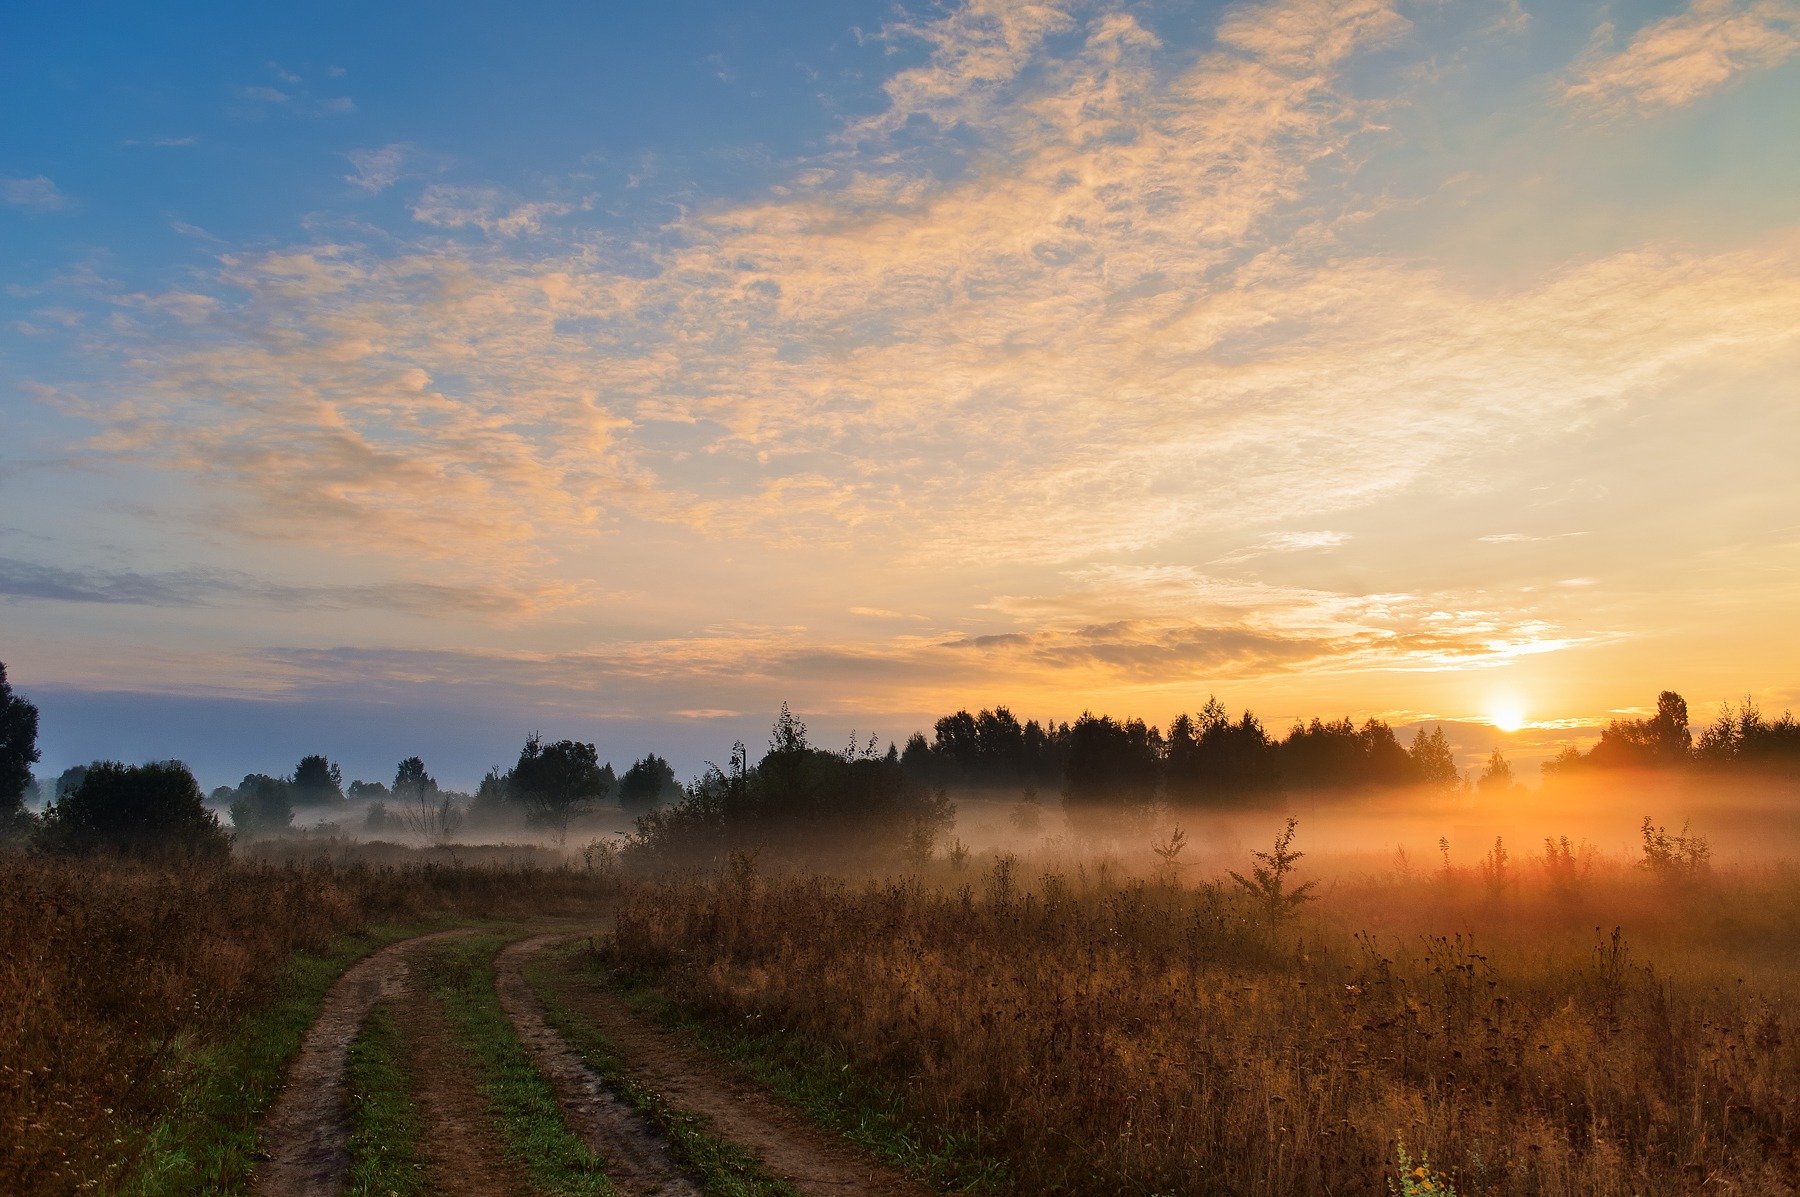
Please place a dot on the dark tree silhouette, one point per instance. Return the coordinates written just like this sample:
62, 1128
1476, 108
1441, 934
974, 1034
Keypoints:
18, 753
648, 784
318, 782
1497, 777
1212, 761
262, 805
412, 783
555, 782
1112, 773
150, 810
1433, 761
800, 799
1658, 742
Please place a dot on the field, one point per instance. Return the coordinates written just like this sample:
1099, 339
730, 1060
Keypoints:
1055, 1020
1076, 1033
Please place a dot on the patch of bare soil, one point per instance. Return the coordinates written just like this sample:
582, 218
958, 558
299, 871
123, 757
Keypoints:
458, 1139
307, 1131
635, 1153
813, 1160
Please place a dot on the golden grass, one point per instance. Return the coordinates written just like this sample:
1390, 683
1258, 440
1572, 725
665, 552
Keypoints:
110, 969
1145, 1037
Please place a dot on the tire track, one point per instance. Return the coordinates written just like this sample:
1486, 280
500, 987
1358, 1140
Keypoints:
636, 1155
308, 1129
814, 1161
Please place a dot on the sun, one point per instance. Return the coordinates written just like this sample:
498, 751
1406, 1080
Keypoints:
1507, 717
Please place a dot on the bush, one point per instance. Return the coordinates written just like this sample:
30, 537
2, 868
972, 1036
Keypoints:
152, 810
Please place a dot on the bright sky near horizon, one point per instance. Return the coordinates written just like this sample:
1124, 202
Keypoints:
431, 374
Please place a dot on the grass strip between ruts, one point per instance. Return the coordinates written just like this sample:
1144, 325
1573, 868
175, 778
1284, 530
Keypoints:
460, 975
212, 1143
723, 1168
818, 1080
384, 1125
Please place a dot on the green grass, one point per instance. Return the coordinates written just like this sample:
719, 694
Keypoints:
211, 1144
723, 1168
818, 1080
460, 974
384, 1126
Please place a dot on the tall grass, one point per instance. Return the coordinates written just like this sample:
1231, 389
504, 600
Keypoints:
115, 976
1146, 1038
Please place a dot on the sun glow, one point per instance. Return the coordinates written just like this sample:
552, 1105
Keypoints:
1507, 717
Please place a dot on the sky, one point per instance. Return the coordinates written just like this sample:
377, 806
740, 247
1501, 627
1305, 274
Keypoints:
383, 379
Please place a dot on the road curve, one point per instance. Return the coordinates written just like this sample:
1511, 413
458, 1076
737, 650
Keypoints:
307, 1131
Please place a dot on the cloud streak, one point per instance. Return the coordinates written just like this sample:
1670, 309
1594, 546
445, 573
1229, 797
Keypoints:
1681, 58
29, 581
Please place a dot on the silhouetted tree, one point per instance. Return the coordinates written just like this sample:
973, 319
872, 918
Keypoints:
360, 790
800, 799
1661, 741
318, 782
70, 780
18, 753
1745, 739
262, 805
1340, 755
1212, 761
1497, 777
1111, 775
1433, 762
648, 784
555, 782
412, 783
143, 810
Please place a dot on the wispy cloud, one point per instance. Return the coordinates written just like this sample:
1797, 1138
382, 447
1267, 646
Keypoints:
33, 581
1285, 542
1680, 58
378, 169
37, 193
484, 208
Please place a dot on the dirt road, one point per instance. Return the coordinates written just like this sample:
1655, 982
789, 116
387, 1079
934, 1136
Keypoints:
307, 1130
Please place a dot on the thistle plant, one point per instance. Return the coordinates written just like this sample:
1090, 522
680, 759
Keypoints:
1267, 882
1418, 1177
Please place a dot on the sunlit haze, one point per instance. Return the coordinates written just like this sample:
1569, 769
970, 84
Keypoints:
392, 380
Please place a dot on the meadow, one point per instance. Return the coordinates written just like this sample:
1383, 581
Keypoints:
1568, 1026
1017, 1013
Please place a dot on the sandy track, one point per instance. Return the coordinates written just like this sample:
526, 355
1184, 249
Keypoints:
814, 1161
636, 1154
308, 1129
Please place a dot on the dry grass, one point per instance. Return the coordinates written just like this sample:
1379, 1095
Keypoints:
1144, 1037
110, 972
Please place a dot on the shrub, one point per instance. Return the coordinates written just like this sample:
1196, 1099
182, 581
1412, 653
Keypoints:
149, 810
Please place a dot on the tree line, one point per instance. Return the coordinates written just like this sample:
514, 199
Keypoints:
795, 790
1203, 759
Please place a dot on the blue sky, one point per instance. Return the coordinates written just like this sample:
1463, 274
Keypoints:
626, 372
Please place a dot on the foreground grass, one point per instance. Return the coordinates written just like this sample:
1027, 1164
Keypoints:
210, 1143
147, 1010
723, 1168
460, 975
384, 1126
817, 1078
1092, 1036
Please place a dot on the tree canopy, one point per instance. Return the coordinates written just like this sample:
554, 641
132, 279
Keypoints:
18, 752
151, 810
555, 782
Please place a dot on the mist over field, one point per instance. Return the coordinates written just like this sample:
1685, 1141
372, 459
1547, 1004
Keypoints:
1165, 598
